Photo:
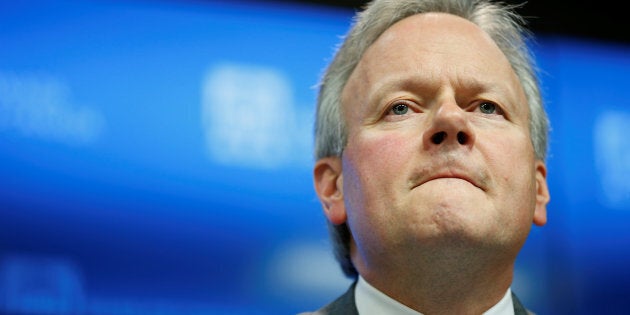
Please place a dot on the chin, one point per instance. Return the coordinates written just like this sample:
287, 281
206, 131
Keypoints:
462, 226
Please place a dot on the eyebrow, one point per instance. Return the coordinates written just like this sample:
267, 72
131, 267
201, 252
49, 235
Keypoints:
420, 84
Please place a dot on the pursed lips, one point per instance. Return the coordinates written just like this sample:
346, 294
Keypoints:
453, 176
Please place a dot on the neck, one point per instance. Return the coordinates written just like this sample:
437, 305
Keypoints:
444, 283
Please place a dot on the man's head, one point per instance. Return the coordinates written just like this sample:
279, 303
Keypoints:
430, 134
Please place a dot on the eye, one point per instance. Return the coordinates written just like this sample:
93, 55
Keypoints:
400, 109
490, 108
487, 108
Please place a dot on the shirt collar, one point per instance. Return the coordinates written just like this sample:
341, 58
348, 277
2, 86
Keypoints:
371, 301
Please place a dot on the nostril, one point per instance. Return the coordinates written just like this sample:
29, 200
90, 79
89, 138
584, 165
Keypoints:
438, 137
462, 138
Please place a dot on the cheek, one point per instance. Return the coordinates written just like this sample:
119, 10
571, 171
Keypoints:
511, 159
511, 151
378, 157
373, 170
373, 166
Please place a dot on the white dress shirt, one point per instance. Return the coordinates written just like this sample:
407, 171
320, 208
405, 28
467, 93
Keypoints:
371, 301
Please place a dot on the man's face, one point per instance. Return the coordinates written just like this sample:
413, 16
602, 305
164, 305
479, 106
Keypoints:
439, 151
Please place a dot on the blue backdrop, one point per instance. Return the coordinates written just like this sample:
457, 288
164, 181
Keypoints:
155, 158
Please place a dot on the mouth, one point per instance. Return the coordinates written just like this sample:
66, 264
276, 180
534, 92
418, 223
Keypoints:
452, 176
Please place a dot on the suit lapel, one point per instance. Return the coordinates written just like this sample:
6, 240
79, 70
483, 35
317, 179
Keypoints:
344, 305
519, 309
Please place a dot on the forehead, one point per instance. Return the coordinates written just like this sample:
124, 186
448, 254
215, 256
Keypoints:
432, 47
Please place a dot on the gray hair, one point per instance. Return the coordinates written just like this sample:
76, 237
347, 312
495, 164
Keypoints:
504, 26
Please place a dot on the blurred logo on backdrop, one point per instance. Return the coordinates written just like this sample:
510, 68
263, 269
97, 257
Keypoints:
250, 118
40, 285
612, 157
40, 106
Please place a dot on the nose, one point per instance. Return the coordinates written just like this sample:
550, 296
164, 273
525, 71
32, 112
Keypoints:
449, 125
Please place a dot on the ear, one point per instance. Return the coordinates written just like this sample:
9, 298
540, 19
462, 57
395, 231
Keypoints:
328, 181
542, 194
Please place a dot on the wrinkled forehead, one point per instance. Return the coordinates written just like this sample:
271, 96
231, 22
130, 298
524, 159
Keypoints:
425, 46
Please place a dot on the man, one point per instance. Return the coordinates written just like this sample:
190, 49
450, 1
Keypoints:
430, 144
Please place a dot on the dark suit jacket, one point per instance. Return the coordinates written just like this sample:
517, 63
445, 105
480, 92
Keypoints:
344, 305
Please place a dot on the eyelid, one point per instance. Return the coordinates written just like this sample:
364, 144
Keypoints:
413, 106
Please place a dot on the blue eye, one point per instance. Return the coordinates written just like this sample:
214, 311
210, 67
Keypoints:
400, 109
488, 108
